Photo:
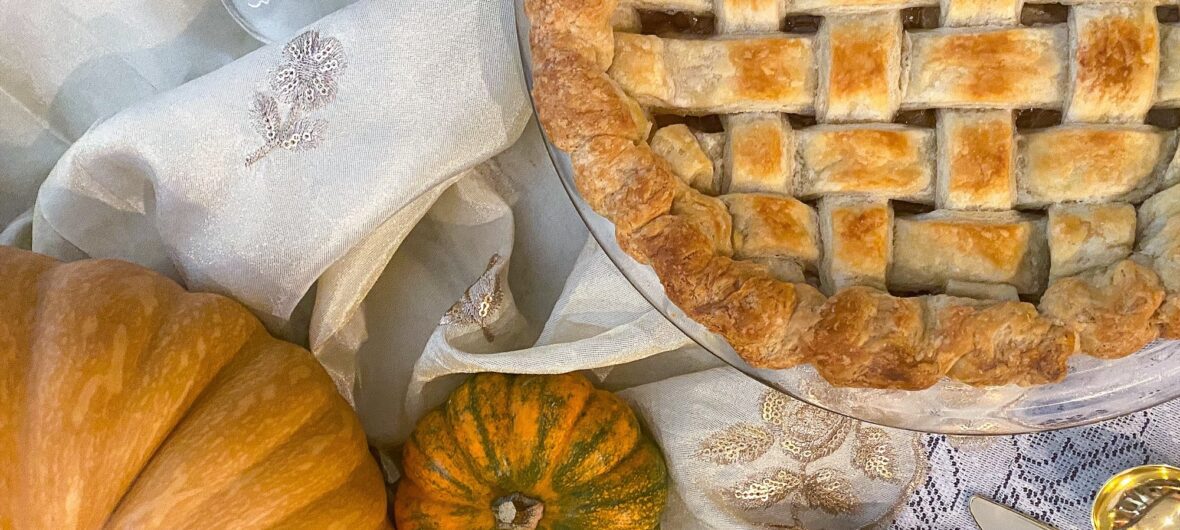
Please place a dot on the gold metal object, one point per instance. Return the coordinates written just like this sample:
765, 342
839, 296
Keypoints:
1140, 498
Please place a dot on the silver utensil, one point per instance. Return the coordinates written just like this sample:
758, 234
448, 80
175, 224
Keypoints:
990, 515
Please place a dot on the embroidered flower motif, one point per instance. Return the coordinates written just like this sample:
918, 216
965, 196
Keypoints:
305, 82
804, 434
308, 79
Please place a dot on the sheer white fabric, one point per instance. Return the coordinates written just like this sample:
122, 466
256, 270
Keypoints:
67, 65
402, 111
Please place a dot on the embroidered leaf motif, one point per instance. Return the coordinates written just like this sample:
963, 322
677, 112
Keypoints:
742, 442
766, 490
827, 490
874, 454
774, 408
304, 134
481, 303
264, 116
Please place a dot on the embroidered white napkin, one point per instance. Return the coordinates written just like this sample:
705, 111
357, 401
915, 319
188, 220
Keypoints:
255, 179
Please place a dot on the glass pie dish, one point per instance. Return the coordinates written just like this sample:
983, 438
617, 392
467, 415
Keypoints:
1094, 389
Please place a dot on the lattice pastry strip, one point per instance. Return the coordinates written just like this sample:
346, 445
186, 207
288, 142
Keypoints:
887, 161
1159, 234
1089, 236
980, 12
991, 247
1091, 163
680, 147
759, 154
749, 16
857, 234
773, 226
987, 68
1168, 93
1115, 63
860, 67
976, 160
694, 76
1159, 242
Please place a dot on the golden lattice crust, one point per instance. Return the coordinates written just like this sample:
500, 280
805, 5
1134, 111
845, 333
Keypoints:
986, 68
126, 402
861, 79
1107, 276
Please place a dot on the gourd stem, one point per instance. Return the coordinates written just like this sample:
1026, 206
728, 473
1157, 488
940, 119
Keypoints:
517, 512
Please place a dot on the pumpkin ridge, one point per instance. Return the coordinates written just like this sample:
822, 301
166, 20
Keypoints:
532, 477
466, 457
560, 438
261, 360
17, 303
578, 451
455, 447
105, 286
495, 460
653, 489
415, 510
323, 431
438, 469
183, 409
645, 460
339, 506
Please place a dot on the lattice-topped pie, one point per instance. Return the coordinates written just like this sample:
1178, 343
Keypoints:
893, 191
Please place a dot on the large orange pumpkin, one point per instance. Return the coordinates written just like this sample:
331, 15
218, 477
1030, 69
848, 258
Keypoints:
524, 452
126, 402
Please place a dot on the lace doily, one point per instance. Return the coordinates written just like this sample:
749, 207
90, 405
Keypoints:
1051, 476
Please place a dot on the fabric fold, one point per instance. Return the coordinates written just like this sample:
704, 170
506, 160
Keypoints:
254, 180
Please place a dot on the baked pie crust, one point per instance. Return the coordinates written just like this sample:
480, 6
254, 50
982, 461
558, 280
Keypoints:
886, 253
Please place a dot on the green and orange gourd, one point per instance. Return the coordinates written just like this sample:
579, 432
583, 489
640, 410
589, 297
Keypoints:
530, 452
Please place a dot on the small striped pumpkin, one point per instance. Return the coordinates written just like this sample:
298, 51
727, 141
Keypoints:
523, 452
